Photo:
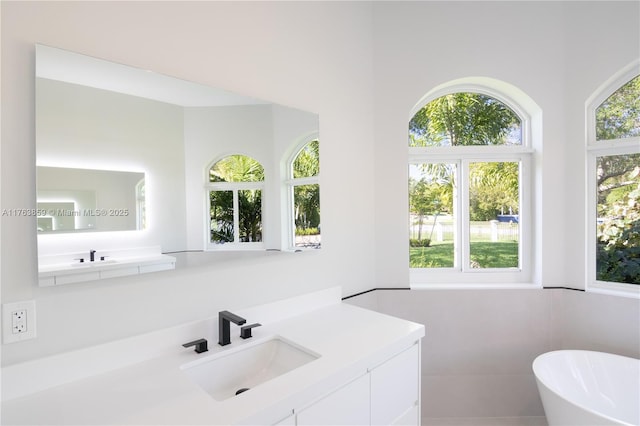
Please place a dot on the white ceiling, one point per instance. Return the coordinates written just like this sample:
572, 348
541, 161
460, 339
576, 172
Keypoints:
70, 67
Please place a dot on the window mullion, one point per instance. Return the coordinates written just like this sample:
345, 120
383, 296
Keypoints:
291, 216
614, 146
591, 231
463, 218
524, 221
207, 217
304, 181
236, 217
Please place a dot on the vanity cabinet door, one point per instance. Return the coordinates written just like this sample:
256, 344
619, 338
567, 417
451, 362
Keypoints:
348, 405
395, 389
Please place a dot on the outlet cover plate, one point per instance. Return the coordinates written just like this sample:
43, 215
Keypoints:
22, 314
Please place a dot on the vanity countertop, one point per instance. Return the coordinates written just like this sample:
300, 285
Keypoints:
348, 339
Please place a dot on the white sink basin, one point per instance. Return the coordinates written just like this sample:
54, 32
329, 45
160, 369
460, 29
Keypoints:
240, 369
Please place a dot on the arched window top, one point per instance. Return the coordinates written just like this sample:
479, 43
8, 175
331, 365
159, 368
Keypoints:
307, 161
140, 189
236, 168
618, 116
465, 119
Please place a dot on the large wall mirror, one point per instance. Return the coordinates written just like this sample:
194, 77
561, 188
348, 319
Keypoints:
125, 149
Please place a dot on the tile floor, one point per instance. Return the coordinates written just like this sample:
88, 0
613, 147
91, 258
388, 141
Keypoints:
485, 421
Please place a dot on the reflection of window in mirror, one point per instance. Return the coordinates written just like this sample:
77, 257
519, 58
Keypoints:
234, 203
304, 195
141, 212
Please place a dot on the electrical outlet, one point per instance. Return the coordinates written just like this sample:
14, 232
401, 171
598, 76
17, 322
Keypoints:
19, 321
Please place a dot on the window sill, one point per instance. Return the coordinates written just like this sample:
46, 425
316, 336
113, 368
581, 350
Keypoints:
615, 289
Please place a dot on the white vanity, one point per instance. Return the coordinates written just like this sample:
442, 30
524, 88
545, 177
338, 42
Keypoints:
314, 361
387, 394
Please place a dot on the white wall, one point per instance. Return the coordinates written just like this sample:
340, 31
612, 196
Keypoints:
283, 52
556, 52
597, 322
604, 38
479, 345
478, 348
421, 45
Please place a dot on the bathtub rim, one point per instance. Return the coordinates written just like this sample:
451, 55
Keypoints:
538, 361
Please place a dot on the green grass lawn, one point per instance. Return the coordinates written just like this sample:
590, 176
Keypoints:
503, 254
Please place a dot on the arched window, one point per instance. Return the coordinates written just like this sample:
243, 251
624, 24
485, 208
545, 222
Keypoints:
234, 203
465, 119
304, 194
469, 189
613, 193
618, 116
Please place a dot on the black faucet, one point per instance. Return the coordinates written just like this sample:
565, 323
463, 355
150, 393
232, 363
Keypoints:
224, 332
92, 255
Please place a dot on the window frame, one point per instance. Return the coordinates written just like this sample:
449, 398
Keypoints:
234, 187
141, 218
594, 150
463, 275
290, 183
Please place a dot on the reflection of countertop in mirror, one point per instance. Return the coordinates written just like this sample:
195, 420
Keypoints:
68, 269
140, 381
105, 264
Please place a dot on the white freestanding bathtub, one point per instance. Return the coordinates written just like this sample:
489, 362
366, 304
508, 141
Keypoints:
585, 388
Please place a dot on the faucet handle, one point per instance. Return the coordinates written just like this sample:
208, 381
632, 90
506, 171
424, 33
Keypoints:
200, 344
245, 330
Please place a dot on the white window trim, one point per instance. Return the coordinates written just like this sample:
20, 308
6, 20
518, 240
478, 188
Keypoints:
602, 94
234, 187
595, 149
290, 183
140, 204
464, 277
463, 273
483, 89
236, 245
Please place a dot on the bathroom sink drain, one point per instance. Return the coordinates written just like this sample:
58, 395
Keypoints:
239, 391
